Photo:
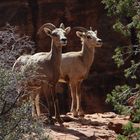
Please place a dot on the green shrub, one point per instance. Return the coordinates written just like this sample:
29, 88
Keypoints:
16, 122
126, 98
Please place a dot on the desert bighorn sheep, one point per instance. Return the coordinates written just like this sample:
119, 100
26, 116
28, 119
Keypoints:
75, 66
45, 67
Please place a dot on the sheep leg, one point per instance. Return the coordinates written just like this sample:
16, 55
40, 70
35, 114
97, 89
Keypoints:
78, 97
37, 104
32, 98
73, 95
56, 106
49, 103
50, 106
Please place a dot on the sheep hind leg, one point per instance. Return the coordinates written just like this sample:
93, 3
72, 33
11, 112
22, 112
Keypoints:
78, 97
34, 112
37, 104
73, 96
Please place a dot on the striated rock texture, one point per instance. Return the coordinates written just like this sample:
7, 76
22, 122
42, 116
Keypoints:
29, 15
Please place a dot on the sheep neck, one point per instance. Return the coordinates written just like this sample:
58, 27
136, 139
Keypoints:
55, 55
87, 54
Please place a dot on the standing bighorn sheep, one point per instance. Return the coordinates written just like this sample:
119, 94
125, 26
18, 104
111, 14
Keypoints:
44, 66
75, 66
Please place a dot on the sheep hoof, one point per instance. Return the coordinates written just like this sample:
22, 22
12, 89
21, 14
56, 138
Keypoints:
75, 114
50, 121
81, 114
60, 121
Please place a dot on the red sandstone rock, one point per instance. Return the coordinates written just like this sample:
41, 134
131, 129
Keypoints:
104, 75
91, 127
117, 125
96, 126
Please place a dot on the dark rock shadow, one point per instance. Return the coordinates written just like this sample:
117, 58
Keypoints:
65, 130
83, 121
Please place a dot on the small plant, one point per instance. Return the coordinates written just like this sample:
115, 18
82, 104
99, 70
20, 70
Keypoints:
16, 121
129, 132
118, 99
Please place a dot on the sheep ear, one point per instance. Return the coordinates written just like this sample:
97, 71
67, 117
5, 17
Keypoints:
79, 34
62, 26
47, 31
95, 32
67, 30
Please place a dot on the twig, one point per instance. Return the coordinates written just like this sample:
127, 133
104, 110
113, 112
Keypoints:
3, 113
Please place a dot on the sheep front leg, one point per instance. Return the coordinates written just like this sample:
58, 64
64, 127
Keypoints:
56, 106
78, 97
73, 96
49, 99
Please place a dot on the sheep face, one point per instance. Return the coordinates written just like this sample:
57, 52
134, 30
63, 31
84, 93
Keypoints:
90, 38
58, 35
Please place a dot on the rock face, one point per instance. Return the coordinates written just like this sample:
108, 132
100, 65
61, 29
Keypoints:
103, 76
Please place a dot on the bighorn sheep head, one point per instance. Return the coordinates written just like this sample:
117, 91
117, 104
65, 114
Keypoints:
57, 34
89, 37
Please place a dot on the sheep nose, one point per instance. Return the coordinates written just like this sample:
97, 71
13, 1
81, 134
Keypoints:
100, 41
64, 39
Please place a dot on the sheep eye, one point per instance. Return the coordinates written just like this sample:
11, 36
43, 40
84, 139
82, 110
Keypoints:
88, 36
55, 35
